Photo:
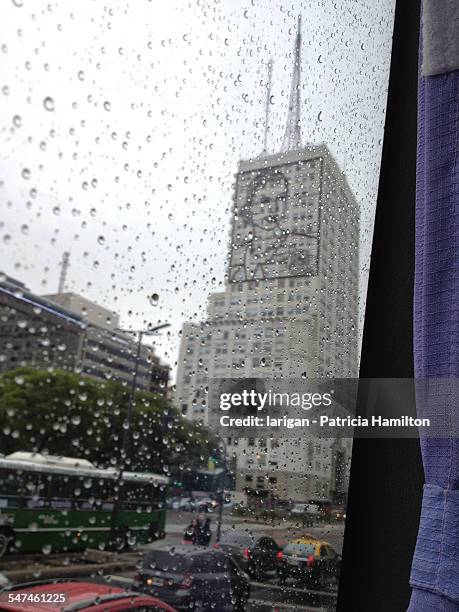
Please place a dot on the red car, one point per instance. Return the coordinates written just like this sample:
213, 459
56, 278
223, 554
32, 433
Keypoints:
68, 596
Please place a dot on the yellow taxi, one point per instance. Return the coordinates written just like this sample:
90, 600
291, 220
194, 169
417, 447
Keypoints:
308, 561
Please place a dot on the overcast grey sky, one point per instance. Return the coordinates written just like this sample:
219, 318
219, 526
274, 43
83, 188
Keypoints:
122, 124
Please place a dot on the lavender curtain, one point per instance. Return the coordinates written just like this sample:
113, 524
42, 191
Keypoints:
435, 569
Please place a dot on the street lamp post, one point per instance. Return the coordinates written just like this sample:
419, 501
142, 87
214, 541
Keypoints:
140, 334
126, 435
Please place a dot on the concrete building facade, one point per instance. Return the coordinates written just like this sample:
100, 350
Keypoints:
289, 310
70, 332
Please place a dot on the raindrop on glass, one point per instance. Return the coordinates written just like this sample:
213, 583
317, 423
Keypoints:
48, 103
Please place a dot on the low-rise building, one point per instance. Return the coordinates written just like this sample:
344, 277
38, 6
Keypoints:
70, 332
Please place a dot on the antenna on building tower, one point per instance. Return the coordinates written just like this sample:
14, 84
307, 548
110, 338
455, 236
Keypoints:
65, 262
292, 136
268, 102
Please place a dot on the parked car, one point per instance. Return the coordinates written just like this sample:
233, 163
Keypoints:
50, 596
206, 505
305, 509
257, 555
308, 513
185, 504
338, 514
193, 577
309, 561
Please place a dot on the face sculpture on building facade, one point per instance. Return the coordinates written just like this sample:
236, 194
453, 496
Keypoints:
267, 242
266, 202
264, 214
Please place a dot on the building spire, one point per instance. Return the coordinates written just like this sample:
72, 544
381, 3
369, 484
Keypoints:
292, 136
268, 103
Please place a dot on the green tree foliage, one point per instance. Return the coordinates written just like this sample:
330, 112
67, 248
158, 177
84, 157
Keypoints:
63, 413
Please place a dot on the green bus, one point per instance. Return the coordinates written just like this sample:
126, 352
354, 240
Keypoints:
59, 504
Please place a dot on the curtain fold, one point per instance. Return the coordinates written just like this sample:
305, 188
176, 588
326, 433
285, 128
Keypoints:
435, 569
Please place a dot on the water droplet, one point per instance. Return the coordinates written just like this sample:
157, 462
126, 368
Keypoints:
80, 75
107, 105
154, 299
17, 121
25, 174
48, 103
101, 240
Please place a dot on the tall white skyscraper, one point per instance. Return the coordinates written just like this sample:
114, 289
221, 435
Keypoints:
289, 308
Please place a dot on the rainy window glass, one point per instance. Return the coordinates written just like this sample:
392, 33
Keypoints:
188, 192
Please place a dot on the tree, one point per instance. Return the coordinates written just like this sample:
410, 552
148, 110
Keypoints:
64, 413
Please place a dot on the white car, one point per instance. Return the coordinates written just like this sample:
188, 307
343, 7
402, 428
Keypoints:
183, 503
305, 509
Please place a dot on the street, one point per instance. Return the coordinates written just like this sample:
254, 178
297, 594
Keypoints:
267, 595
282, 532
120, 568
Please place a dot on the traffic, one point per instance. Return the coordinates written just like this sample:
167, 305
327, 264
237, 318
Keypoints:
61, 505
